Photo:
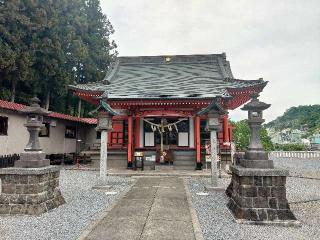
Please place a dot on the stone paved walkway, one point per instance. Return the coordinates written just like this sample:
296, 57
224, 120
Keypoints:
155, 208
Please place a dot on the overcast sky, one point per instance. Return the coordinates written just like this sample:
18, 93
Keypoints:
274, 39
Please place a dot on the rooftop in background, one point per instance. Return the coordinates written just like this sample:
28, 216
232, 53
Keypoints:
17, 107
169, 77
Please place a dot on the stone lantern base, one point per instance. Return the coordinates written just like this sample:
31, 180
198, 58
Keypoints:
30, 191
259, 196
32, 160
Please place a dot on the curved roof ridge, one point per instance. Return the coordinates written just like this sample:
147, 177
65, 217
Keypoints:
168, 59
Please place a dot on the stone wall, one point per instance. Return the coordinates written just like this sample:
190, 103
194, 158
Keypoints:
29, 191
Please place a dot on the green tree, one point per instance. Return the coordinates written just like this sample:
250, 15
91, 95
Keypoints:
241, 135
16, 56
266, 140
45, 45
291, 147
97, 40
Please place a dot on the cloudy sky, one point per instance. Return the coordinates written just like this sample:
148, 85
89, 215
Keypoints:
278, 40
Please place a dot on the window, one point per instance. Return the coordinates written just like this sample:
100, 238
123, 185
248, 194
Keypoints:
183, 126
3, 125
45, 130
117, 138
148, 135
71, 132
183, 133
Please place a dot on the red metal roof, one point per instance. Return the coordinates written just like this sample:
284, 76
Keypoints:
16, 107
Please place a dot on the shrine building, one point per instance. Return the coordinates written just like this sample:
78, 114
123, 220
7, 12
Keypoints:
161, 104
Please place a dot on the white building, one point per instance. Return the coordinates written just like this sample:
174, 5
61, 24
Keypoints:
62, 133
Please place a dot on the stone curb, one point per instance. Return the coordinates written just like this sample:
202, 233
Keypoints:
96, 221
195, 221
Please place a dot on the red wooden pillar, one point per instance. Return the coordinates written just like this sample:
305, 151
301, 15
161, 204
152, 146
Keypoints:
225, 129
198, 147
137, 133
130, 131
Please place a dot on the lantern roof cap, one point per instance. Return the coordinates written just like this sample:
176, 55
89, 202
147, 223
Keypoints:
255, 104
104, 106
213, 106
35, 108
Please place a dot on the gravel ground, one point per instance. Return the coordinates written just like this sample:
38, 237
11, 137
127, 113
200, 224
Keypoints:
303, 194
67, 221
300, 167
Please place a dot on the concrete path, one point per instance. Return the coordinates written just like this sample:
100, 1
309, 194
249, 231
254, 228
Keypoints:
155, 208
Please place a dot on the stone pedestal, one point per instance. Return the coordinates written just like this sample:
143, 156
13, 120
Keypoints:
259, 196
30, 191
32, 160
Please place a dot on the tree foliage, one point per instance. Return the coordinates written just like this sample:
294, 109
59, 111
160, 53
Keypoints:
300, 117
241, 135
45, 45
290, 147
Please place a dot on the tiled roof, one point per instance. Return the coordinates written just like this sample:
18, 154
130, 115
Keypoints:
17, 107
11, 105
182, 76
72, 118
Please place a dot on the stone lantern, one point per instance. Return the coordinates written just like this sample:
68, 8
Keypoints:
255, 156
104, 114
104, 125
32, 185
257, 192
213, 126
214, 111
104, 121
33, 156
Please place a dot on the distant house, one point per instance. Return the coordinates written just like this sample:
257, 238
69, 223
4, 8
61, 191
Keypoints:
315, 141
296, 136
61, 134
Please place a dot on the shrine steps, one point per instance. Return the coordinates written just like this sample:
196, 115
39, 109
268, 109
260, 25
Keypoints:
184, 160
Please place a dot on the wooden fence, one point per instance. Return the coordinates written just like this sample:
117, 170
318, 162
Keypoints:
8, 160
295, 154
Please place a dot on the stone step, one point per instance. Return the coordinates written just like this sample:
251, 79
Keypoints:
163, 167
184, 163
184, 167
184, 153
185, 158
